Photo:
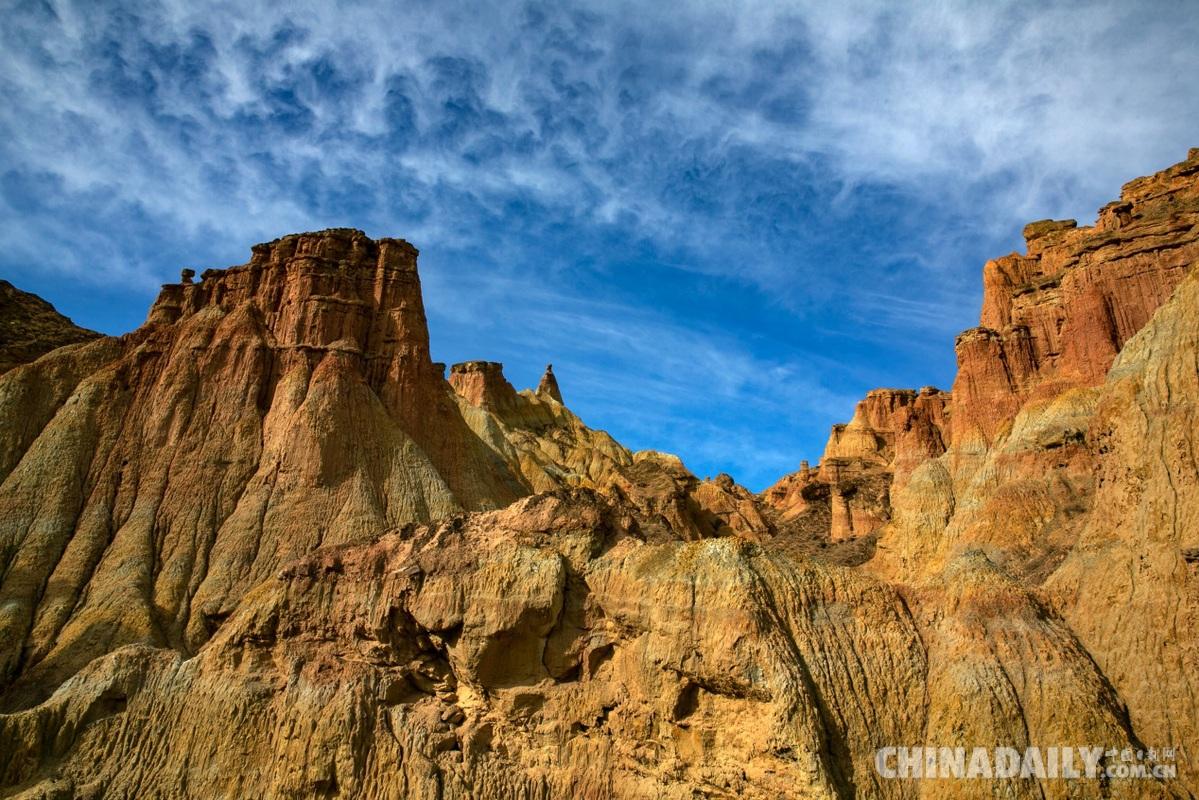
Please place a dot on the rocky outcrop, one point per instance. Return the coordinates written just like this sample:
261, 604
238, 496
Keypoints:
1129, 586
848, 495
337, 297
260, 413
548, 386
549, 650
1070, 475
1072, 467
1056, 316
483, 385
30, 327
1019, 474
1089, 501
1053, 320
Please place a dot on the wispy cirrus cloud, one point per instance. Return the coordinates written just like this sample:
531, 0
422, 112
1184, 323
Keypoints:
691, 206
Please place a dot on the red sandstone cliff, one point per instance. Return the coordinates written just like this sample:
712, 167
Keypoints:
1057, 316
848, 494
1052, 319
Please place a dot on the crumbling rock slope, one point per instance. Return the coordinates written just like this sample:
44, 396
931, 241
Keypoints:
551, 650
263, 547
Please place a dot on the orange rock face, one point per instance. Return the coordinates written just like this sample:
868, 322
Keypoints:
1070, 460
549, 384
547, 650
848, 495
260, 413
482, 384
1057, 316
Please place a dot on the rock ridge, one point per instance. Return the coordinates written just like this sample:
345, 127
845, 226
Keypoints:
30, 327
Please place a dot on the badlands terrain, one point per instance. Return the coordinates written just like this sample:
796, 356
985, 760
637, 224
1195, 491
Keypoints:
264, 546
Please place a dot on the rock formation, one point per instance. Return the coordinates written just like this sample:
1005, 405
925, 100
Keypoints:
30, 327
483, 385
548, 650
261, 413
548, 387
1057, 316
1071, 459
848, 495
261, 547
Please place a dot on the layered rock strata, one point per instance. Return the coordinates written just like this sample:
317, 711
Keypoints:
1056, 316
848, 495
548, 386
550, 650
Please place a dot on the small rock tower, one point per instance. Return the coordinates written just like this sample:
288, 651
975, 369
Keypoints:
549, 384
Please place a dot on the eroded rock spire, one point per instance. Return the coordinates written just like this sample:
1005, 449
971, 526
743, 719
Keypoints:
549, 384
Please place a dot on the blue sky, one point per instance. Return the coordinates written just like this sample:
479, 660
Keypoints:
722, 222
